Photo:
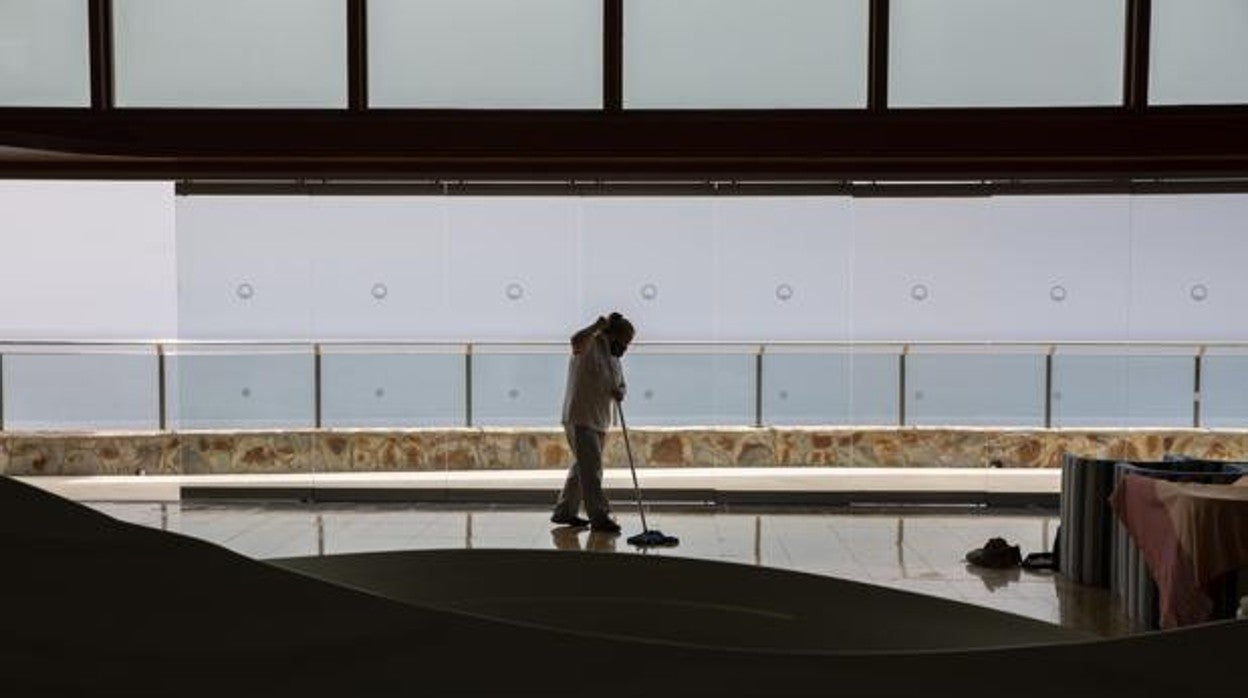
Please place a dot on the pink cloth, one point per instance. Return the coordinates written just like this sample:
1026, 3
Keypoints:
1189, 534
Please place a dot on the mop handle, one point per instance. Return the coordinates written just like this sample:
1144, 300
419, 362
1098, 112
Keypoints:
629, 450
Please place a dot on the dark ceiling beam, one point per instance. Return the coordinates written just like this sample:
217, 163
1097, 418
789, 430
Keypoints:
924, 143
1135, 63
100, 52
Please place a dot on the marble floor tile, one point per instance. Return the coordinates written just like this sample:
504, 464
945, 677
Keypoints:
917, 552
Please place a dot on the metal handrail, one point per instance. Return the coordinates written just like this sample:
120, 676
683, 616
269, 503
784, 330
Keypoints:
165, 349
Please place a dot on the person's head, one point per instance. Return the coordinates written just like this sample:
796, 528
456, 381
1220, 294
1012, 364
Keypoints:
619, 334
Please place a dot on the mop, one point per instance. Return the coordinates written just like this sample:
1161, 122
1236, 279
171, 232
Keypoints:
648, 538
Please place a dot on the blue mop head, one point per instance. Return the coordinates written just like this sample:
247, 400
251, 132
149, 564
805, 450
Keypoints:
652, 538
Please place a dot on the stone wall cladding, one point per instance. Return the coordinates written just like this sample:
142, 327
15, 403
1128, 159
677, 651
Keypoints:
341, 450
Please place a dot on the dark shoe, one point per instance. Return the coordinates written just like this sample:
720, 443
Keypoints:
607, 526
574, 521
996, 554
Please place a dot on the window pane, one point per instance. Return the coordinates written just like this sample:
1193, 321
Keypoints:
43, 54
81, 391
485, 53
974, 390
231, 53
1006, 53
747, 54
1199, 52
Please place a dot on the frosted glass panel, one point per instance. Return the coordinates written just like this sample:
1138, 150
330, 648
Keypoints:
501, 54
745, 54
230, 53
518, 389
86, 391
858, 389
690, 389
392, 390
257, 391
1224, 391
1199, 52
974, 390
983, 53
1116, 391
43, 54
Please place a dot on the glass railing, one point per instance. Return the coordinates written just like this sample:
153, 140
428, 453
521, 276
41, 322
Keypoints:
181, 386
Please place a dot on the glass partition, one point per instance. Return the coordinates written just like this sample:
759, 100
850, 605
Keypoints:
946, 387
706, 388
830, 386
1224, 388
238, 387
80, 388
518, 386
43, 54
393, 387
1119, 387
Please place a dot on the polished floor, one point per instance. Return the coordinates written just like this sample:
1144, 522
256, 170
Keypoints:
912, 549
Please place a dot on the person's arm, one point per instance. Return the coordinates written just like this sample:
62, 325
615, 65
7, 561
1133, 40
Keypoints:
585, 335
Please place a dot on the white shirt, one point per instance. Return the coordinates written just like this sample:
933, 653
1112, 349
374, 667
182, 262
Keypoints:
593, 377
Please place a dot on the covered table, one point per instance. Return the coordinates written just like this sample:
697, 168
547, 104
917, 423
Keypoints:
1190, 536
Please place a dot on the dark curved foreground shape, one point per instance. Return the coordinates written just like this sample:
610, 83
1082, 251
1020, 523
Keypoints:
93, 606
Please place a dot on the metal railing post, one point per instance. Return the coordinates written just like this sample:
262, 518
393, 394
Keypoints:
758, 386
901, 385
1196, 385
316, 377
162, 422
1, 392
1048, 388
468, 385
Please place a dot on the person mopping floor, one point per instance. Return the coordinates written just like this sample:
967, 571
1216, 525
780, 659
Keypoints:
595, 381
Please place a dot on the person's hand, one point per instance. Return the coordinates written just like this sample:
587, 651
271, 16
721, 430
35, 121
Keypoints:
618, 395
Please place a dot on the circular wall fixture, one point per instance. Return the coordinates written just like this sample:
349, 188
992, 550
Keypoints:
513, 393
1057, 293
245, 291
649, 394
380, 392
1199, 292
380, 291
246, 392
649, 292
515, 291
784, 292
919, 292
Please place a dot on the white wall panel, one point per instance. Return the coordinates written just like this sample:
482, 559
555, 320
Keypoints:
513, 267
1187, 267
87, 260
379, 267
654, 260
920, 270
783, 267
1057, 267
245, 267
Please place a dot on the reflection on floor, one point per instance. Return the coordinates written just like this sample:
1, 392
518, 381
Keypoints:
915, 551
